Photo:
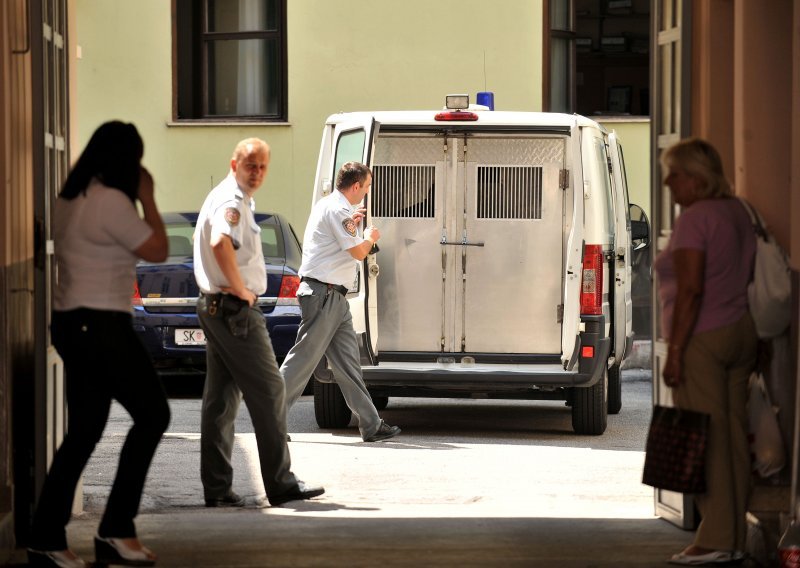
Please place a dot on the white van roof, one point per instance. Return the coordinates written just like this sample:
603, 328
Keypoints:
485, 118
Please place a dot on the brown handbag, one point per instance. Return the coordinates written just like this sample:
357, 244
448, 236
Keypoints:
675, 454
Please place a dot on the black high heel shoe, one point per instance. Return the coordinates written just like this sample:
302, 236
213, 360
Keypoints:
115, 551
54, 559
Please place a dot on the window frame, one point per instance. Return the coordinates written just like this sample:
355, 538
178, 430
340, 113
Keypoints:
199, 76
577, 62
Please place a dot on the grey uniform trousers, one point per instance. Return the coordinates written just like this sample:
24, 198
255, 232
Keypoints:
238, 367
327, 329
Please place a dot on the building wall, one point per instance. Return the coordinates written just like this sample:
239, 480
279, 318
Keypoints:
635, 136
16, 245
743, 54
345, 55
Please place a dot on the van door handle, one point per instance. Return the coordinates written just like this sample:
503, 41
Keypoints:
462, 244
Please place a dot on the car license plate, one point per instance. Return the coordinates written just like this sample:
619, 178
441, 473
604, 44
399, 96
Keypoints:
193, 336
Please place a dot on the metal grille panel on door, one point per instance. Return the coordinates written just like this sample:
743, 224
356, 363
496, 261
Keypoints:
407, 207
509, 192
405, 191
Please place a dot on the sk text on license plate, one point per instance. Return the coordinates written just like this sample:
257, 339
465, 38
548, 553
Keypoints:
194, 336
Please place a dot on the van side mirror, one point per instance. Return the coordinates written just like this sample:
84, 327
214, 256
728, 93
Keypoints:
640, 227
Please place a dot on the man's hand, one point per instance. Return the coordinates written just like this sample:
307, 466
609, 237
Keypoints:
372, 233
359, 214
243, 294
222, 246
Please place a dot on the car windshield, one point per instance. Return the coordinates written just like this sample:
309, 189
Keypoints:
180, 239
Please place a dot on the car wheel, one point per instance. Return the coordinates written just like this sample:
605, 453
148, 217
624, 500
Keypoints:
380, 402
330, 409
590, 408
614, 390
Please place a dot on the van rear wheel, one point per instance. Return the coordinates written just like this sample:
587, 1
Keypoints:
590, 408
330, 408
614, 389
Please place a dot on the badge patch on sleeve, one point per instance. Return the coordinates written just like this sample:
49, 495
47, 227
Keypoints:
349, 226
232, 216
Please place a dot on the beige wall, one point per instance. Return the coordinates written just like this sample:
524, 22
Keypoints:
763, 110
635, 137
344, 55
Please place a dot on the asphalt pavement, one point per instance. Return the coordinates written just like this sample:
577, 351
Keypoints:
467, 483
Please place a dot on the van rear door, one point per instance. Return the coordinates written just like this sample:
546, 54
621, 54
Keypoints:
623, 307
353, 140
472, 231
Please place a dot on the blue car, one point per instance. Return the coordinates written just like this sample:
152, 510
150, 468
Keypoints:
165, 295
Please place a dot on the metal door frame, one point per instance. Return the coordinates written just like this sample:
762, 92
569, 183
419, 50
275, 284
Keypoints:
50, 88
671, 121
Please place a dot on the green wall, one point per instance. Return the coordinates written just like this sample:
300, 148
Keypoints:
634, 133
346, 55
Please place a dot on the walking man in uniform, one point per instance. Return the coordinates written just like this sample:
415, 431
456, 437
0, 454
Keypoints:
230, 272
332, 248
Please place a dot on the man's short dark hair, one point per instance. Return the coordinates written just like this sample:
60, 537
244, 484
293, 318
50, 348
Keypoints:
350, 173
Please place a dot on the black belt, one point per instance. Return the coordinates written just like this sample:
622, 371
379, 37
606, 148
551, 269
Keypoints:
341, 289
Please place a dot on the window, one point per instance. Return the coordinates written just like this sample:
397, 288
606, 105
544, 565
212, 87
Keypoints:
349, 148
598, 57
230, 60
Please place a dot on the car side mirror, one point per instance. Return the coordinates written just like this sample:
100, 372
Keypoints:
640, 227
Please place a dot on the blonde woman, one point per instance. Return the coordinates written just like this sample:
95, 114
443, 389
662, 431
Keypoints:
703, 276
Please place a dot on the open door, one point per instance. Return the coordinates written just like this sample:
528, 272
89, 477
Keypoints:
353, 141
623, 305
671, 121
572, 180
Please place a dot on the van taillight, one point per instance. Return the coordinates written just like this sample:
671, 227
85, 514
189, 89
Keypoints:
289, 285
136, 299
592, 283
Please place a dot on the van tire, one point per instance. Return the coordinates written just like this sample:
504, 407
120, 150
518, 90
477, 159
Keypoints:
330, 408
614, 389
590, 408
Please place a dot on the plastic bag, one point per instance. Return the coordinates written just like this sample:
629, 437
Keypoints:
766, 443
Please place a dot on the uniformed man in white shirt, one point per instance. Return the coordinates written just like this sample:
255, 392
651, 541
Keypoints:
230, 272
332, 248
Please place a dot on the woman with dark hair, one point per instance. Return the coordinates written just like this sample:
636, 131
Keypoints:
99, 236
703, 276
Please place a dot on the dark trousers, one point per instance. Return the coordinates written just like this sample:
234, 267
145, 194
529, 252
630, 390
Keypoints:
103, 360
241, 366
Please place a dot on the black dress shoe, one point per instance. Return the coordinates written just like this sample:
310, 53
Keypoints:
230, 499
384, 433
302, 491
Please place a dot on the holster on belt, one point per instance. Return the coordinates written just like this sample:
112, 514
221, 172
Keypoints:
229, 308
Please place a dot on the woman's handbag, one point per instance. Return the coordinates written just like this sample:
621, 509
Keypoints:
675, 455
770, 291
766, 442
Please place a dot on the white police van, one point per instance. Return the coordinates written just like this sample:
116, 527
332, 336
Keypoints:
504, 268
